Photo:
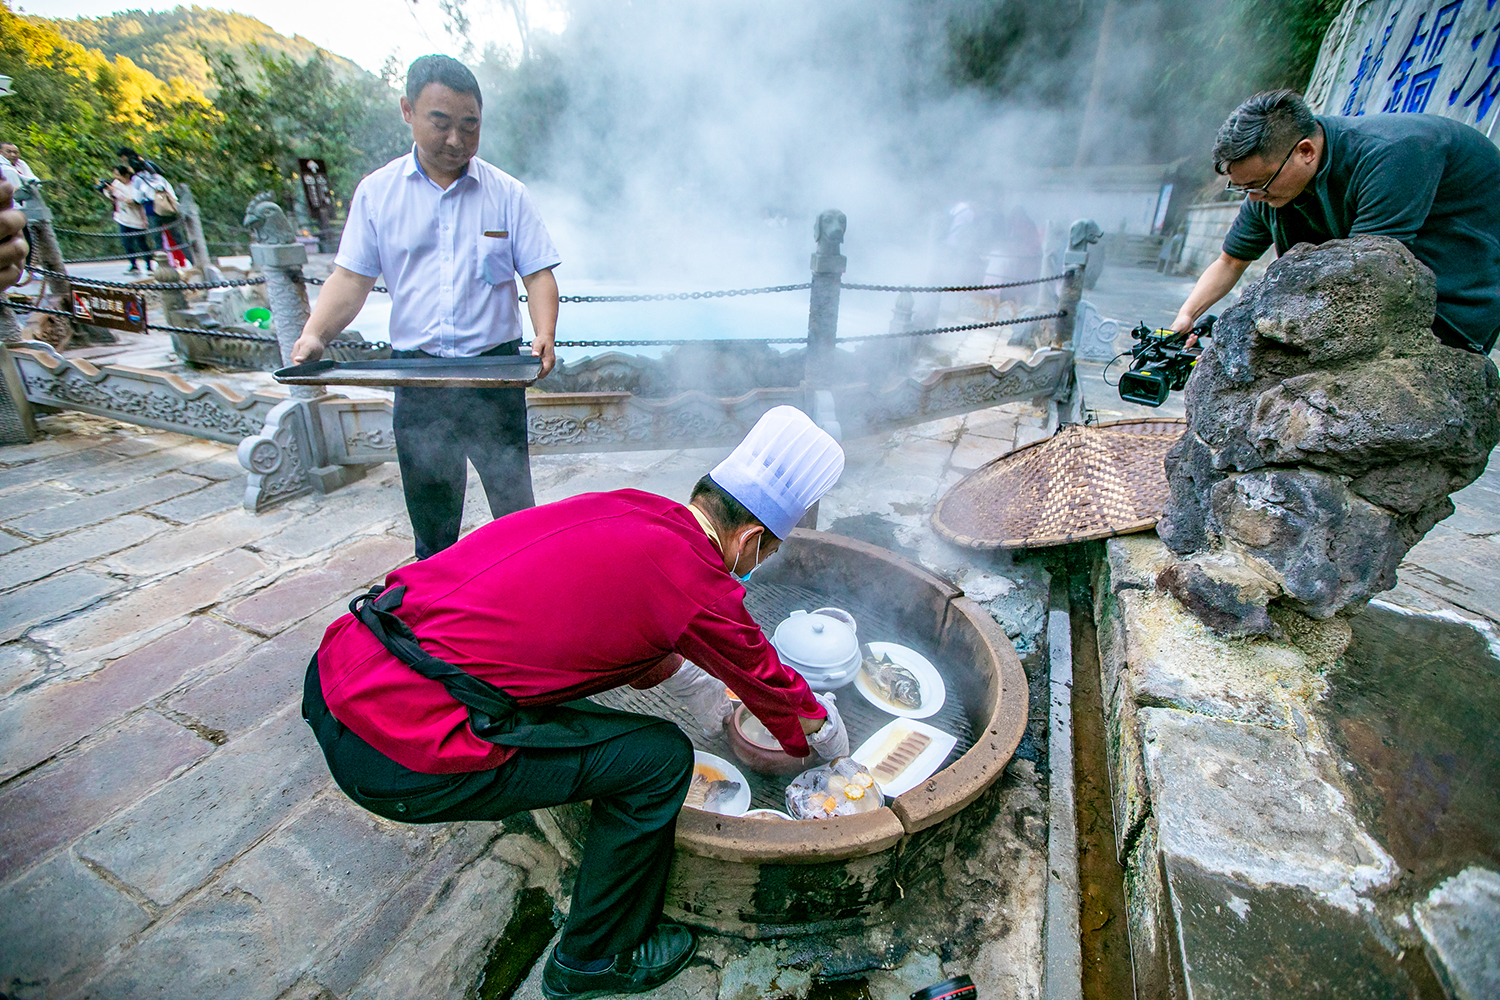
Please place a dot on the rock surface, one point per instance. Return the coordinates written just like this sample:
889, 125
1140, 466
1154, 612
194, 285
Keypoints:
1326, 428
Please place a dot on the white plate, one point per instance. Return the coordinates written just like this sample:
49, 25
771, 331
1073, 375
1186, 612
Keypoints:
934, 691
919, 770
741, 801
768, 814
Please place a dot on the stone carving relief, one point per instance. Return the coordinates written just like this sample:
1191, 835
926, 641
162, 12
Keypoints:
145, 397
1326, 427
1093, 335
277, 458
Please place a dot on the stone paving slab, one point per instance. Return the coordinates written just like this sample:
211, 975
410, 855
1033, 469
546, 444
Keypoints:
57, 924
37, 726
226, 495
262, 683
52, 598
145, 611
22, 501
9, 542
103, 506
125, 472
1457, 567
277, 909
33, 562
173, 840
353, 568
177, 550
59, 802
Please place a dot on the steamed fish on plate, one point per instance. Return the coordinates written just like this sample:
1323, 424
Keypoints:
893, 682
710, 790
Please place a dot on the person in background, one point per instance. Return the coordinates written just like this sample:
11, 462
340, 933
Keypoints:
450, 233
13, 248
1428, 181
157, 196
130, 215
12, 155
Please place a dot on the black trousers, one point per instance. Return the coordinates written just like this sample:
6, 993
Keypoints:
637, 783
436, 430
135, 244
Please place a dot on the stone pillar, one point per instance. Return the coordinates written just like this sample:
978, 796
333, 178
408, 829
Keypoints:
289, 457
16, 423
1083, 233
10, 328
823, 301
823, 317
192, 222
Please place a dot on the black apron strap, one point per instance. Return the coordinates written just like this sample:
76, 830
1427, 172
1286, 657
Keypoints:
494, 714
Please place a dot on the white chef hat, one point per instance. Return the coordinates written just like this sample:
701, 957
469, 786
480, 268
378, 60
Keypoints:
784, 466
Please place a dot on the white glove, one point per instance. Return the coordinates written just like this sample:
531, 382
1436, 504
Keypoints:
832, 741
702, 694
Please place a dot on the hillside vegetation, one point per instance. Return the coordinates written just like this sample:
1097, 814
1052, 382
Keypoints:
170, 44
264, 101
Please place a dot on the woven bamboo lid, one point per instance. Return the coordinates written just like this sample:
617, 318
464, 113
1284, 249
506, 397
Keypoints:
1081, 483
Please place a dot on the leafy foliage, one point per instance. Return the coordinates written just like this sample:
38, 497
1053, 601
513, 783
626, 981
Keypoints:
172, 43
74, 107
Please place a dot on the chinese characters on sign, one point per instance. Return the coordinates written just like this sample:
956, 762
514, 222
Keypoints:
113, 308
1434, 57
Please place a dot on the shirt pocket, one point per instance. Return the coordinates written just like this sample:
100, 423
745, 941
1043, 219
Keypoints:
497, 262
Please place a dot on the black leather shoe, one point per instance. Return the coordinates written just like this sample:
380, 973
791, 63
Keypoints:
654, 961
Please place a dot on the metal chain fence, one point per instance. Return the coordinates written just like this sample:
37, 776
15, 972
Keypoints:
151, 286
198, 331
952, 288
954, 329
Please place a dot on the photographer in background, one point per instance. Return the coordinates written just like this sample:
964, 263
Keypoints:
1427, 181
130, 216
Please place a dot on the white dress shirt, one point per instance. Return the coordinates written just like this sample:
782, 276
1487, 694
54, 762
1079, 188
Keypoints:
449, 257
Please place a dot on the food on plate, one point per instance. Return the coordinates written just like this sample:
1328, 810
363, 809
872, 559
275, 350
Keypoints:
837, 789
710, 790
894, 756
893, 682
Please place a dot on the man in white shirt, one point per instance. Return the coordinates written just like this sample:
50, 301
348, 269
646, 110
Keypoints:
450, 233
12, 155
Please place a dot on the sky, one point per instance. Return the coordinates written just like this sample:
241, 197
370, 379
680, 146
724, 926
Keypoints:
366, 31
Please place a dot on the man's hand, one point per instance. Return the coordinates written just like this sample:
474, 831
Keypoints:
309, 346
541, 303
341, 299
13, 248
702, 694
542, 348
1214, 283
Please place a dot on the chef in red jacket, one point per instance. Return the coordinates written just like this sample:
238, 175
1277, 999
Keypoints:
457, 691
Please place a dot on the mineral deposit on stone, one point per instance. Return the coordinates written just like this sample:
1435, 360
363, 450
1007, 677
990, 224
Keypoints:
1326, 427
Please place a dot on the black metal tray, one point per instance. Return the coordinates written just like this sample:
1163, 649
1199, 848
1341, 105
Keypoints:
504, 371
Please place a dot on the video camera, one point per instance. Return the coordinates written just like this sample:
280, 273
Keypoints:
1161, 363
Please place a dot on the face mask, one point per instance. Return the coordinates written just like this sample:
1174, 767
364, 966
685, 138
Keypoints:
746, 577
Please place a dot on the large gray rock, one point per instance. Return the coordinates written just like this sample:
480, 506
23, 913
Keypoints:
1326, 428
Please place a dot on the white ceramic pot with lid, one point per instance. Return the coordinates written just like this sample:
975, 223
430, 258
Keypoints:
822, 649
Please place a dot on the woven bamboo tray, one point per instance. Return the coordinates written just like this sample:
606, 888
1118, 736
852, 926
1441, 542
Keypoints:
1082, 483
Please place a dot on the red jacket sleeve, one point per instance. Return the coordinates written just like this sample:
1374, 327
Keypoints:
724, 640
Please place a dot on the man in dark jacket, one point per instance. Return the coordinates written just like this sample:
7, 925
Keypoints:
1427, 181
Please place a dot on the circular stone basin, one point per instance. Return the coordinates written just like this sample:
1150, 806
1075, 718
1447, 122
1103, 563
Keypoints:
757, 877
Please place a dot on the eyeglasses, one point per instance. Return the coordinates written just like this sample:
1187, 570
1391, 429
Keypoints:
1261, 188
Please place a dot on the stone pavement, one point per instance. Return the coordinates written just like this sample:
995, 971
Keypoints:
169, 827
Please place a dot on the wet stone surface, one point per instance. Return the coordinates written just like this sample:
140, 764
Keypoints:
1414, 707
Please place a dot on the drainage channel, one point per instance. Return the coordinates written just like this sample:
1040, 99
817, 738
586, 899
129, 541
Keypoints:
1087, 946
